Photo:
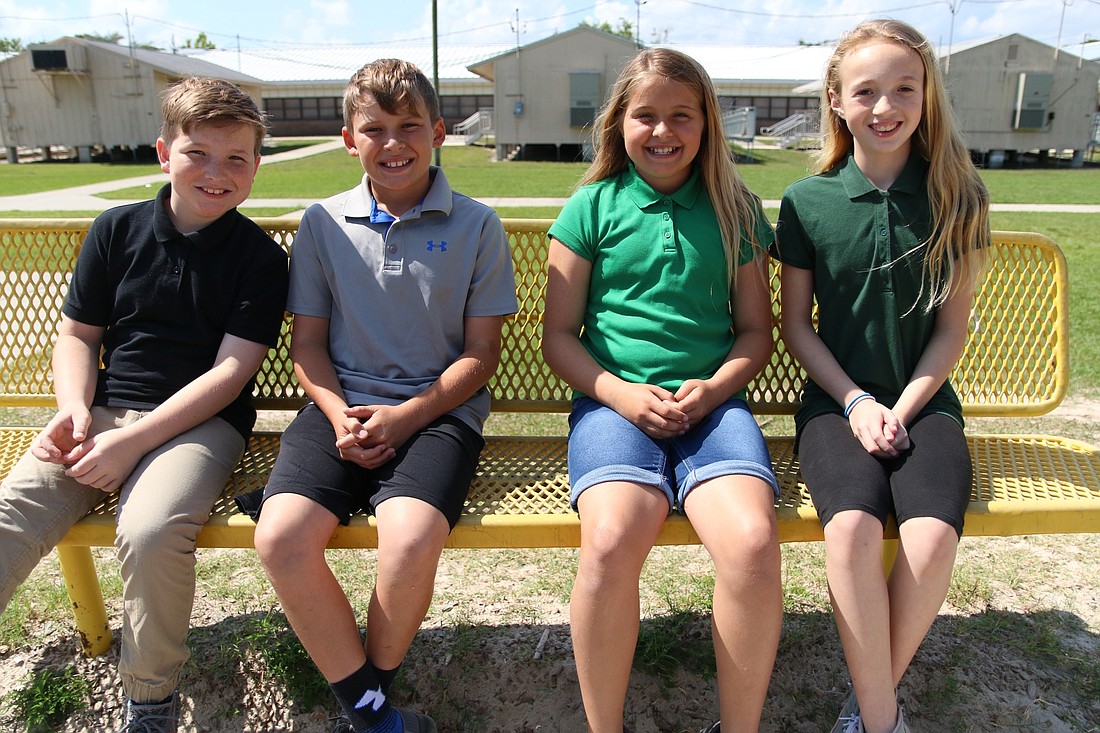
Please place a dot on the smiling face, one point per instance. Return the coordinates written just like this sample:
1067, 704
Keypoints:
395, 149
881, 98
663, 130
211, 168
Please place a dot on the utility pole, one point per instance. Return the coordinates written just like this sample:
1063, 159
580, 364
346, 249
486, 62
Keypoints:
435, 67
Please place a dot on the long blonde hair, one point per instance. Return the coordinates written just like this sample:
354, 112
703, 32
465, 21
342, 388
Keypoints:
958, 197
735, 206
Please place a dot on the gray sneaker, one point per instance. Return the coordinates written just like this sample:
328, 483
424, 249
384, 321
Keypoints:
849, 720
160, 717
341, 724
416, 722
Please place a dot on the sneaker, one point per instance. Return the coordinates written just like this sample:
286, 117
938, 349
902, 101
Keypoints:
413, 722
157, 717
849, 720
900, 726
713, 728
416, 722
341, 724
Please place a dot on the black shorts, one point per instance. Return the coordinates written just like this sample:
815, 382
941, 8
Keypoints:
930, 479
436, 465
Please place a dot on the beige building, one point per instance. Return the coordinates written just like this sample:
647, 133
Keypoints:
1015, 94
101, 99
546, 94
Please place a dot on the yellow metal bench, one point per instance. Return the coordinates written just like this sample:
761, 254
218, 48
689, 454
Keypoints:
1015, 364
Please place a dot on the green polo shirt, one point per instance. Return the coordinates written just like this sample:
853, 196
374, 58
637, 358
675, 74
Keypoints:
866, 250
658, 308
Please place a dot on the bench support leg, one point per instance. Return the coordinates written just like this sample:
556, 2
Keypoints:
889, 555
89, 612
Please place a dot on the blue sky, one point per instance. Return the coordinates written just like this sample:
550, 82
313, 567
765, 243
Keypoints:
1074, 24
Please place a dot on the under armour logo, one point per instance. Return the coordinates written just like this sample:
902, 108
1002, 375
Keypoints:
375, 698
432, 245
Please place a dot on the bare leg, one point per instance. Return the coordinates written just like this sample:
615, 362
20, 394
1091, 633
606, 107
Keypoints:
290, 540
619, 524
861, 606
918, 585
411, 535
735, 518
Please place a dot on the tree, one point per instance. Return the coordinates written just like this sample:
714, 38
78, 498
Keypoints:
11, 45
200, 41
625, 29
114, 37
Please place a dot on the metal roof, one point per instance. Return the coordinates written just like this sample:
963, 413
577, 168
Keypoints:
337, 63
170, 63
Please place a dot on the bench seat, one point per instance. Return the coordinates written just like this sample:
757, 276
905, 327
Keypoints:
1015, 364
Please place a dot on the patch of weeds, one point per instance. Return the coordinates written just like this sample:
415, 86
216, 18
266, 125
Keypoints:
48, 699
944, 691
1037, 637
270, 638
969, 590
680, 639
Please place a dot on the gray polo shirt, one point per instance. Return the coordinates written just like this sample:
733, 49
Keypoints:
397, 295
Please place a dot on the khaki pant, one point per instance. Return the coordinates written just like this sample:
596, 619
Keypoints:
162, 506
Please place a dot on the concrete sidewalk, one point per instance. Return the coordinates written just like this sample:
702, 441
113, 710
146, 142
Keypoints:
84, 198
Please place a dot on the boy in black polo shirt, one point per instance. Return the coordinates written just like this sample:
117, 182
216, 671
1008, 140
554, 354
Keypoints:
183, 295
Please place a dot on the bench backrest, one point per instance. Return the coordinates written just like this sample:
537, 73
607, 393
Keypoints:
1015, 362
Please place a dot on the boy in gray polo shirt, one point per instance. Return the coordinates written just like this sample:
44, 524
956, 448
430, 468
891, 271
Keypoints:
398, 290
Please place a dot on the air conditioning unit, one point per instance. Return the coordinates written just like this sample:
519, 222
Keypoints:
1032, 100
59, 59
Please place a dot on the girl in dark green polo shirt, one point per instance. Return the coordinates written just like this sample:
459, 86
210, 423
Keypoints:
884, 238
658, 315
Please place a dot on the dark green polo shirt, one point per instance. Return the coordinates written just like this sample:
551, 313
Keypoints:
866, 250
658, 309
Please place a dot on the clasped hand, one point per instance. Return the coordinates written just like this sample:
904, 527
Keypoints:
878, 429
370, 435
102, 461
660, 413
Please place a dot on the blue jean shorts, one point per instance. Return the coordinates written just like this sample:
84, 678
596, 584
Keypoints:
605, 446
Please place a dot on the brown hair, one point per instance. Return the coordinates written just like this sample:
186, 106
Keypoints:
959, 199
198, 100
734, 204
395, 85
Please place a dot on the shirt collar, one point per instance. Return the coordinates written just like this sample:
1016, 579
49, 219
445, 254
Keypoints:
644, 195
165, 230
910, 181
360, 204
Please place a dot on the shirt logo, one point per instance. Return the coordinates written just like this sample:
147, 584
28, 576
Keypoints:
432, 246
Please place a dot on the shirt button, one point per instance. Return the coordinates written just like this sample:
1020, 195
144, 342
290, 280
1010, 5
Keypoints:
666, 216
393, 248
882, 232
668, 235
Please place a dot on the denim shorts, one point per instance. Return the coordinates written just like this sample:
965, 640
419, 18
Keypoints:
605, 446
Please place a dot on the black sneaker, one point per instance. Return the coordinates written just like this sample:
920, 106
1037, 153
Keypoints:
158, 717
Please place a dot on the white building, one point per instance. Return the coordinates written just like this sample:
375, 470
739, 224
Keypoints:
93, 96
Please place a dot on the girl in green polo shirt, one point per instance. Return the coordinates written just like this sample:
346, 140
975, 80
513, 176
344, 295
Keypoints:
885, 239
658, 315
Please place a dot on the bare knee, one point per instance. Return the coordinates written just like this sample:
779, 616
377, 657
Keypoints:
853, 535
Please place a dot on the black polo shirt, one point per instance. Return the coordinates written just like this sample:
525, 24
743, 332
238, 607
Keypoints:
167, 300
866, 249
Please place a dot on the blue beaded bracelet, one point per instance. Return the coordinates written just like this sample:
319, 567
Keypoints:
856, 400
